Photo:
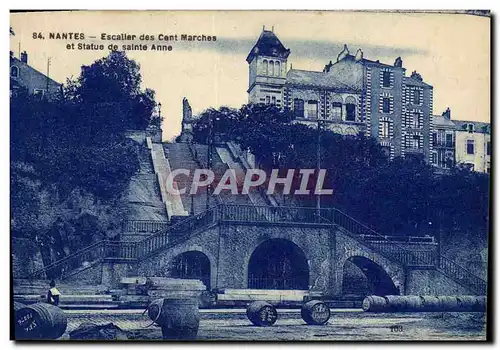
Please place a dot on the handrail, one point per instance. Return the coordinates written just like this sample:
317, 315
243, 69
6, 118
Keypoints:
67, 258
461, 275
99, 248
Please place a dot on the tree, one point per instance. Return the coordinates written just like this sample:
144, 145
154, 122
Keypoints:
109, 90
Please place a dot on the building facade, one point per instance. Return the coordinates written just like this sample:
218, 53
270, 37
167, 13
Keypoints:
22, 75
443, 141
352, 96
473, 145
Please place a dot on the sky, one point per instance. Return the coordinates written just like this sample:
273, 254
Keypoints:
450, 51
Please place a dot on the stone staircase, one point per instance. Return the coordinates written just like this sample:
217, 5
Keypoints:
73, 296
173, 203
180, 157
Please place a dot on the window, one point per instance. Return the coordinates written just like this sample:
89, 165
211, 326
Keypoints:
415, 142
265, 67
273, 100
415, 122
386, 150
441, 158
434, 138
38, 93
14, 71
268, 100
470, 128
470, 146
271, 67
336, 110
298, 108
386, 105
433, 158
449, 140
312, 109
385, 129
386, 79
277, 68
415, 98
488, 148
350, 112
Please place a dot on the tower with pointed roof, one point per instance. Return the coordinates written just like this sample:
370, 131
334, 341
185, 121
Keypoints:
267, 62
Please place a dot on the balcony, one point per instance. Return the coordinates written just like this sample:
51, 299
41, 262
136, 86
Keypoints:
414, 150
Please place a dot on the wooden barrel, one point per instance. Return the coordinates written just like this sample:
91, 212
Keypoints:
261, 313
18, 306
155, 309
315, 312
430, 303
40, 321
396, 303
471, 303
179, 318
374, 303
448, 303
413, 303
481, 303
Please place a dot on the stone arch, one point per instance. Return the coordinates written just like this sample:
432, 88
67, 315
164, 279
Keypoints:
351, 99
265, 67
379, 278
209, 280
277, 263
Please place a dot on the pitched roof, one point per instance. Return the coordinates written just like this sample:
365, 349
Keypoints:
18, 62
479, 127
268, 44
415, 82
439, 120
319, 79
343, 75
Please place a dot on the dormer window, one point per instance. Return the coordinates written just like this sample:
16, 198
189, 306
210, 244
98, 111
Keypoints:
470, 128
14, 71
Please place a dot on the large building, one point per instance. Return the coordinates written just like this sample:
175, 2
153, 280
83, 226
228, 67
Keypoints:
352, 95
473, 145
25, 76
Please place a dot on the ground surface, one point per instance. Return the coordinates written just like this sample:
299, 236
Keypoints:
232, 324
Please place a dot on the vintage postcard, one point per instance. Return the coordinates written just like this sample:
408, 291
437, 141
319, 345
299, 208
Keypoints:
250, 175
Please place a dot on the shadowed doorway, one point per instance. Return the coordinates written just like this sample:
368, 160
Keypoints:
278, 264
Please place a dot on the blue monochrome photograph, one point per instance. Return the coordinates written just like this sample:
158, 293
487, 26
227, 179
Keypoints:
286, 176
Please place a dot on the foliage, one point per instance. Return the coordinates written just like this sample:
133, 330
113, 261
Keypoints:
109, 90
398, 197
70, 158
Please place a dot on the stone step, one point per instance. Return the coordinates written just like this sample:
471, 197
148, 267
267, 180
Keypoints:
66, 299
263, 292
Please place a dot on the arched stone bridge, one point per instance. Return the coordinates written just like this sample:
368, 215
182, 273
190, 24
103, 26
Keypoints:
235, 246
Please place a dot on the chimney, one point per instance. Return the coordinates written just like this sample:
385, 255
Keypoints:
11, 54
24, 57
447, 113
398, 62
359, 55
